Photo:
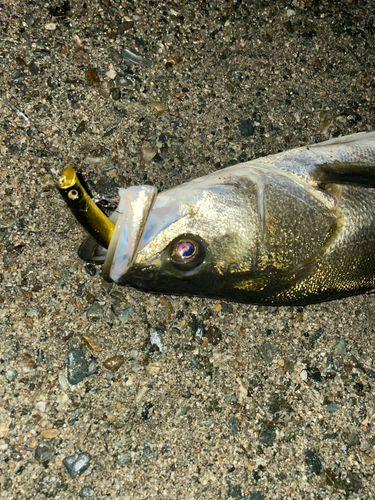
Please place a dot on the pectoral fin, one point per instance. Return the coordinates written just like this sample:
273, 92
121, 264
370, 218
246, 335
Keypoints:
353, 174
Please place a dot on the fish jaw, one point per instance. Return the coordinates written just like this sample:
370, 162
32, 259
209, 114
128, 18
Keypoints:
133, 210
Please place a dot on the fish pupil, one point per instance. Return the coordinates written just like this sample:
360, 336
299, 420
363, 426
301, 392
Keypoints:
185, 249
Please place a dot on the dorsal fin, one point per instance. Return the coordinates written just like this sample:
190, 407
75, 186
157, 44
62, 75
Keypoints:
353, 174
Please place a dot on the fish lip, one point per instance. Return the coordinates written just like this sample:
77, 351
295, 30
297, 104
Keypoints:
135, 205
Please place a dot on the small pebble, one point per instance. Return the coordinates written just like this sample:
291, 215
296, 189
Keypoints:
246, 128
90, 298
92, 77
267, 351
153, 368
11, 375
94, 312
233, 426
91, 343
86, 491
128, 24
40, 356
4, 429
111, 74
44, 452
350, 438
74, 417
29, 19
158, 107
147, 151
92, 368
331, 407
124, 315
49, 433
156, 339
76, 366
77, 464
267, 435
213, 335
33, 68
90, 269
105, 89
123, 458
114, 363
134, 57
50, 26
313, 462
341, 349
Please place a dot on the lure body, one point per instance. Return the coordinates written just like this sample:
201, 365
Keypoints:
292, 228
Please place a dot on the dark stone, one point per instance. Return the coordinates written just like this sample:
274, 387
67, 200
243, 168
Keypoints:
44, 452
157, 158
77, 464
314, 374
51, 83
33, 68
267, 351
146, 408
76, 366
267, 435
114, 55
330, 436
235, 491
94, 312
147, 452
60, 10
74, 417
123, 458
331, 407
125, 26
245, 127
358, 387
233, 426
257, 495
81, 127
92, 368
40, 356
90, 269
313, 462
86, 491
213, 335
315, 336
353, 482
350, 438
197, 328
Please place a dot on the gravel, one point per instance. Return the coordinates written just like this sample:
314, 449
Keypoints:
225, 400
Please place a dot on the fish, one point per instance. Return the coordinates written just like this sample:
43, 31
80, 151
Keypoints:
293, 228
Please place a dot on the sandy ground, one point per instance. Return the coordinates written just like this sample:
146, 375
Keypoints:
213, 400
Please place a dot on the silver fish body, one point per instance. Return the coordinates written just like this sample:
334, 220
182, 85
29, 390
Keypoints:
292, 228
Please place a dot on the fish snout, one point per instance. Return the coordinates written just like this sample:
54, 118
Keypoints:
133, 210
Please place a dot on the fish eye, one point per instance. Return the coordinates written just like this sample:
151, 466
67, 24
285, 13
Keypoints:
185, 251
73, 194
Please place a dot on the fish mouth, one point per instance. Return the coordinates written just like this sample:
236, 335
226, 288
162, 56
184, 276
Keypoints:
135, 205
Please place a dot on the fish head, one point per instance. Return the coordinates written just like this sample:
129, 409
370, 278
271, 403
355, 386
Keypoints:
192, 239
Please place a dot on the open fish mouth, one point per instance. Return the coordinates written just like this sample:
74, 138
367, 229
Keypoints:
133, 210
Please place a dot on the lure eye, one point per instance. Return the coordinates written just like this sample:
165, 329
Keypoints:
73, 194
185, 251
